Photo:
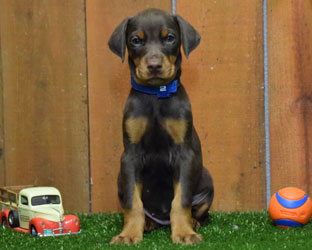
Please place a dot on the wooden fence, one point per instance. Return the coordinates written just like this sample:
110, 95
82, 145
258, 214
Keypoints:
62, 94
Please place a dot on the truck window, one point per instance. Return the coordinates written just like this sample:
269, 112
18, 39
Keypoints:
24, 200
45, 200
12, 197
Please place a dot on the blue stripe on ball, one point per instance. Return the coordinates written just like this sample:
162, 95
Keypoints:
287, 223
291, 203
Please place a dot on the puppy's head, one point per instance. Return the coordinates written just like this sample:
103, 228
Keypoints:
153, 39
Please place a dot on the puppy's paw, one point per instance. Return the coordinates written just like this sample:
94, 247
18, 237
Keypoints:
150, 225
196, 224
188, 238
126, 239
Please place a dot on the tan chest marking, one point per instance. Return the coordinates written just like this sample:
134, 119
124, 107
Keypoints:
135, 128
176, 128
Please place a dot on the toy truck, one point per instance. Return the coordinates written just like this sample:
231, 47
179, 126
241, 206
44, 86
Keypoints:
36, 210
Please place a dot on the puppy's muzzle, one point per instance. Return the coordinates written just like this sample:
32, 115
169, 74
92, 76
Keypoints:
154, 64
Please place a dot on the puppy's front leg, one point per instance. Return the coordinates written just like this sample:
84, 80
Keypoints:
131, 192
181, 215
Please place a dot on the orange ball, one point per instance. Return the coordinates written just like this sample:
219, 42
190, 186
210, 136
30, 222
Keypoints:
290, 207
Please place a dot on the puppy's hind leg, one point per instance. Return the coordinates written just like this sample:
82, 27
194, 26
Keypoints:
202, 199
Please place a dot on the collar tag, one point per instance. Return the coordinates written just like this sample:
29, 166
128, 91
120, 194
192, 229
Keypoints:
162, 88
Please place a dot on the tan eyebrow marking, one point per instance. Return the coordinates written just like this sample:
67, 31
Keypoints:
140, 35
164, 33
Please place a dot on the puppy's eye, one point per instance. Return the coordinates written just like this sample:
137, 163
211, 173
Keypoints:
136, 41
170, 38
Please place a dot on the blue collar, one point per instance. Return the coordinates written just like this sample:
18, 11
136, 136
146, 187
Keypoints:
161, 91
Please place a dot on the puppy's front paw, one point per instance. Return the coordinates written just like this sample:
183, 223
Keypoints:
187, 238
126, 239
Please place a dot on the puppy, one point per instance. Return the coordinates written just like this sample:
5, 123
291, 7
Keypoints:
162, 180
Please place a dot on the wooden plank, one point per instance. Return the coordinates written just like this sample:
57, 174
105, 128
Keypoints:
224, 78
14, 189
290, 67
109, 85
45, 96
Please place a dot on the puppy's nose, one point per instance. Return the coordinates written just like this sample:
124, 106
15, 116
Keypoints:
154, 64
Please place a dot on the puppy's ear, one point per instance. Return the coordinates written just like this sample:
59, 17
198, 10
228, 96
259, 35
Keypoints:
117, 41
189, 36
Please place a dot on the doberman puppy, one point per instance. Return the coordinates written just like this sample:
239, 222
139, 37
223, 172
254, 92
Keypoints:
162, 179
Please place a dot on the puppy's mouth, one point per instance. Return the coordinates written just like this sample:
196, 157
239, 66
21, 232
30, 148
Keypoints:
154, 80
157, 81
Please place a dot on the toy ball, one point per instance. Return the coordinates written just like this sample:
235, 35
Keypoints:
290, 207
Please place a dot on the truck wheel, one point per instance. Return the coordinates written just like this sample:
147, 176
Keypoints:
13, 219
4, 222
33, 231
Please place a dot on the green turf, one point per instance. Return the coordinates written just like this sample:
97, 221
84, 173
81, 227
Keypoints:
225, 231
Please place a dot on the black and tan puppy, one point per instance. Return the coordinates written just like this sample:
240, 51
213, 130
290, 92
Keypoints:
162, 179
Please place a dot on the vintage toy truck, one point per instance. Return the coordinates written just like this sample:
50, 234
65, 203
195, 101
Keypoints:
36, 210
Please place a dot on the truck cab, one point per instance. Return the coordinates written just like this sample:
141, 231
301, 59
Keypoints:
43, 202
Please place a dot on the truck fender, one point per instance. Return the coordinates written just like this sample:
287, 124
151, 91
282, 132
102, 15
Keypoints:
37, 223
5, 213
72, 222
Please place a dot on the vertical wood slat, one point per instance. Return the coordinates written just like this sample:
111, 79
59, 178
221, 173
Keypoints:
290, 79
224, 78
45, 96
109, 82
2, 165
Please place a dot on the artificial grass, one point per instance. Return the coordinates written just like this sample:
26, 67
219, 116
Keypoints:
238, 230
